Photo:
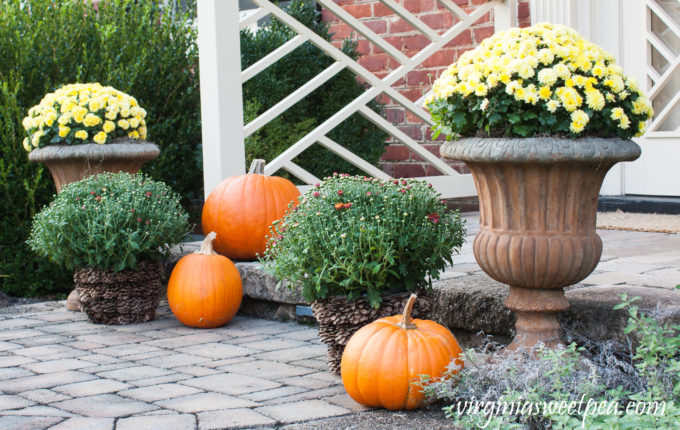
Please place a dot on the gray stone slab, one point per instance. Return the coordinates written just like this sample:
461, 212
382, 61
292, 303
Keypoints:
309, 383
230, 383
173, 377
85, 423
232, 418
19, 334
293, 354
61, 315
47, 380
84, 345
126, 349
260, 285
186, 340
196, 370
165, 422
51, 352
217, 350
305, 410
104, 406
42, 340
273, 344
14, 372
70, 328
307, 395
39, 411
302, 335
13, 402
153, 393
127, 374
113, 338
18, 422
92, 388
205, 402
14, 360
44, 396
345, 401
20, 322
57, 365
171, 360
266, 369
286, 391
312, 364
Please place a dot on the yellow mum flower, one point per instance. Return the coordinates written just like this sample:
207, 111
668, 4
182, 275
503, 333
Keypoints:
552, 106
27, 145
91, 120
108, 126
594, 99
547, 76
134, 134
81, 134
617, 113
142, 132
134, 122
545, 92
100, 138
480, 90
624, 123
35, 139
64, 131
64, 119
124, 124
642, 127
579, 120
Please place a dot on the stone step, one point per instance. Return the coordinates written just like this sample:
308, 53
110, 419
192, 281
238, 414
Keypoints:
471, 304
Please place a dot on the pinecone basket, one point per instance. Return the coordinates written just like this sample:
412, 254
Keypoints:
125, 297
339, 318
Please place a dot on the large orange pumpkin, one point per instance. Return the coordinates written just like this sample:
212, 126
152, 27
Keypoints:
242, 208
383, 361
205, 289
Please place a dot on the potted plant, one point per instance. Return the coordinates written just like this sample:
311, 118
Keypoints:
353, 241
112, 229
85, 129
539, 115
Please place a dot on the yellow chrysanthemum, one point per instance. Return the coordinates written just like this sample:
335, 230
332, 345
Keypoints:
108, 126
81, 134
545, 92
91, 120
27, 144
595, 99
64, 131
552, 106
124, 124
100, 138
579, 120
617, 113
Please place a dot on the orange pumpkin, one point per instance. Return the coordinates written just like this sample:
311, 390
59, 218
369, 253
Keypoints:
242, 208
383, 361
205, 289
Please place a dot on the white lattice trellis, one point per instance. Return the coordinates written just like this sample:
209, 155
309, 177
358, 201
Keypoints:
223, 129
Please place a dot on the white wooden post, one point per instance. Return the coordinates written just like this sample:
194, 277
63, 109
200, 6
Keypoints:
505, 15
221, 98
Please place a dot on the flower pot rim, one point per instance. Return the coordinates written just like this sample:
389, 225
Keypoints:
546, 150
120, 149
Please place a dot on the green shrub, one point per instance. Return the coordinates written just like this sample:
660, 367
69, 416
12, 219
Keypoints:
127, 44
294, 70
109, 221
582, 378
358, 235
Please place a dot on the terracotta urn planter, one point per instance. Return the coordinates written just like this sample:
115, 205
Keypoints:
71, 163
538, 204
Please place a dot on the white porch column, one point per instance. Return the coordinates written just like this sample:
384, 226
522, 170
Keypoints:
505, 15
599, 21
221, 98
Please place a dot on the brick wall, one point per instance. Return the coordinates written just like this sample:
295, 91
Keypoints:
398, 160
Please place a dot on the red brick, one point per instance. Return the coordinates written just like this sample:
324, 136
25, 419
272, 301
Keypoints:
396, 41
433, 148
340, 30
438, 21
396, 153
482, 33
359, 10
398, 25
363, 47
412, 118
443, 57
380, 9
401, 83
432, 171
327, 16
395, 116
417, 6
458, 2
463, 39
415, 132
408, 171
416, 42
375, 62
418, 78
378, 26
523, 11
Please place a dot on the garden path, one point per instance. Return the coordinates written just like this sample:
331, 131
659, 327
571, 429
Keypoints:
59, 371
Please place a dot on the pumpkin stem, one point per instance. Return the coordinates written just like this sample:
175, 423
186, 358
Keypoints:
257, 167
206, 246
406, 323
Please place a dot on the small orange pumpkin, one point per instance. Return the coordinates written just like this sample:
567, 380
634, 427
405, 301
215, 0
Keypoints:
205, 289
383, 361
242, 208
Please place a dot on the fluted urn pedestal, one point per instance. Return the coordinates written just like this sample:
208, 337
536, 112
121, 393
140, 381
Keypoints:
538, 206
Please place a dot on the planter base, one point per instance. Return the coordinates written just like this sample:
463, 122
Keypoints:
537, 311
339, 318
125, 297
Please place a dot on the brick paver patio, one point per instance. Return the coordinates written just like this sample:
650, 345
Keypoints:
59, 371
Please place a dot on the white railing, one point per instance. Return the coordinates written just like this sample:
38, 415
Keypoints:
222, 77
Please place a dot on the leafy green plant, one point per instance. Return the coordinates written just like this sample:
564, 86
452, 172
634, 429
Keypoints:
355, 235
288, 74
571, 387
109, 221
141, 48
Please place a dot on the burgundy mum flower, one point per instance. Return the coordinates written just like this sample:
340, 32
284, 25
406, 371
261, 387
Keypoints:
434, 217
